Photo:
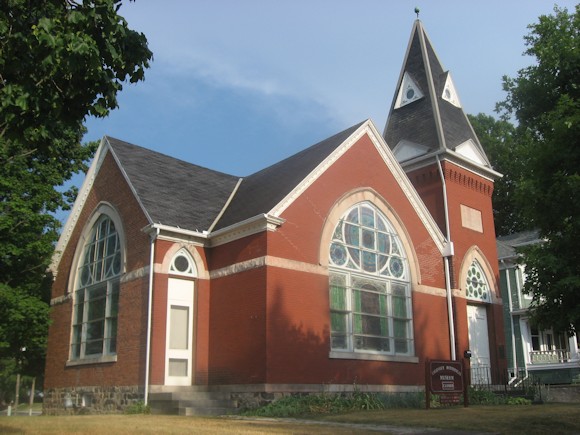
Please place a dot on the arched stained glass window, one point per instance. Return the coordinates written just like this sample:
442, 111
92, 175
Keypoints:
96, 295
477, 287
370, 300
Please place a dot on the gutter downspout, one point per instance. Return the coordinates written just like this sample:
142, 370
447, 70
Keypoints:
513, 334
446, 256
150, 314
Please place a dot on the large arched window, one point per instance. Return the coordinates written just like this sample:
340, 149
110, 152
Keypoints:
96, 293
370, 296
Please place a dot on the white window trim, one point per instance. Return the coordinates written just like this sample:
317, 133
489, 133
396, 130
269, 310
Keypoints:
351, 352
108, 210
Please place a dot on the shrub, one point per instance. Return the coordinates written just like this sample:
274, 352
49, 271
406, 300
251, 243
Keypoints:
138, 408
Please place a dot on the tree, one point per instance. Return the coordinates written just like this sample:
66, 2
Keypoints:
545, 100
60, 61
506, 147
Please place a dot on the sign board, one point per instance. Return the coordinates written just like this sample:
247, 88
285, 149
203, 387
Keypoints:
446, 379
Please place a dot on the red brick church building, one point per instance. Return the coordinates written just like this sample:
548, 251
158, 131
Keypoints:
344, 266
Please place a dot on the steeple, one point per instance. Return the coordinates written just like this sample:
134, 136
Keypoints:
426, 118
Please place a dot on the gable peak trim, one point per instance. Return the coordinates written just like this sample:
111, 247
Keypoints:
79, 204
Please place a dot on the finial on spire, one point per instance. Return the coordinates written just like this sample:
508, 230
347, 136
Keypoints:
417, 11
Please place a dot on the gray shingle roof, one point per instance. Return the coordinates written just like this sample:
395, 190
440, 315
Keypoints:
507, 245
174, 192
180, 194
418, 121
263, 190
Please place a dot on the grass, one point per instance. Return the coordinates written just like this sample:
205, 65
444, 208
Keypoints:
554, 419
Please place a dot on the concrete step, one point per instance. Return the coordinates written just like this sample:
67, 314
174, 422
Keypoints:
192, 402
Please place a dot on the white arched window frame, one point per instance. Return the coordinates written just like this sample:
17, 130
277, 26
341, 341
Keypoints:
370, 292
99, 266
183, 264
476, 283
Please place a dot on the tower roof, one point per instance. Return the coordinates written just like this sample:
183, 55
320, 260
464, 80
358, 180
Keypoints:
426, 117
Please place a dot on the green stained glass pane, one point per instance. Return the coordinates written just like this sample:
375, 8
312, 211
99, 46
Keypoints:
356, 300
399, 307
383, 305
337, 298
400, 328
357, 323
384, 327
338, 322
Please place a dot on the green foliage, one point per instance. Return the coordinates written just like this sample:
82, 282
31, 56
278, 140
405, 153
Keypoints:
60, 61
506, 147
319, 404
138, 408
482, 396
518, 401
544, 98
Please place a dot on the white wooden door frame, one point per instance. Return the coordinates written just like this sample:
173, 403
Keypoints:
179, 344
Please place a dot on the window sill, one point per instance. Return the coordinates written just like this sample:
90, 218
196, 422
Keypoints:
94, 360
372, 357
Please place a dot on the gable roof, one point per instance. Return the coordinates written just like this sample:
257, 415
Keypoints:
431, 120
260, 192
173, 192
507, 245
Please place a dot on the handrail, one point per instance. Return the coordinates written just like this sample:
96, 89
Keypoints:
556, 356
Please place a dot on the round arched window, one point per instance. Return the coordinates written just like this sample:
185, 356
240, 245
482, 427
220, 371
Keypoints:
370, 297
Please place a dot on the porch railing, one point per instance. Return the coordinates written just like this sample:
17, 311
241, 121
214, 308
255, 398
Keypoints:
556, 356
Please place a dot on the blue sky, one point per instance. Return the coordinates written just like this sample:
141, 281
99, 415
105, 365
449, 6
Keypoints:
238, 85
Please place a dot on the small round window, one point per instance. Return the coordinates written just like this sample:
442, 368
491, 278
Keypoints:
182, 264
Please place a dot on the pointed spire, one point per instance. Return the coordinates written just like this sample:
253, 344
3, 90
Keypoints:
426, 115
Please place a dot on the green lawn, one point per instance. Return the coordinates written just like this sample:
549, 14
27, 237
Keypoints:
550, 419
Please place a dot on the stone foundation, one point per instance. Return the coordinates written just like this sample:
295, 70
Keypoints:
90, 400
562, 393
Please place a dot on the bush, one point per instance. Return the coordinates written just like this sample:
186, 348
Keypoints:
518, 401
316, 404
138, 408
